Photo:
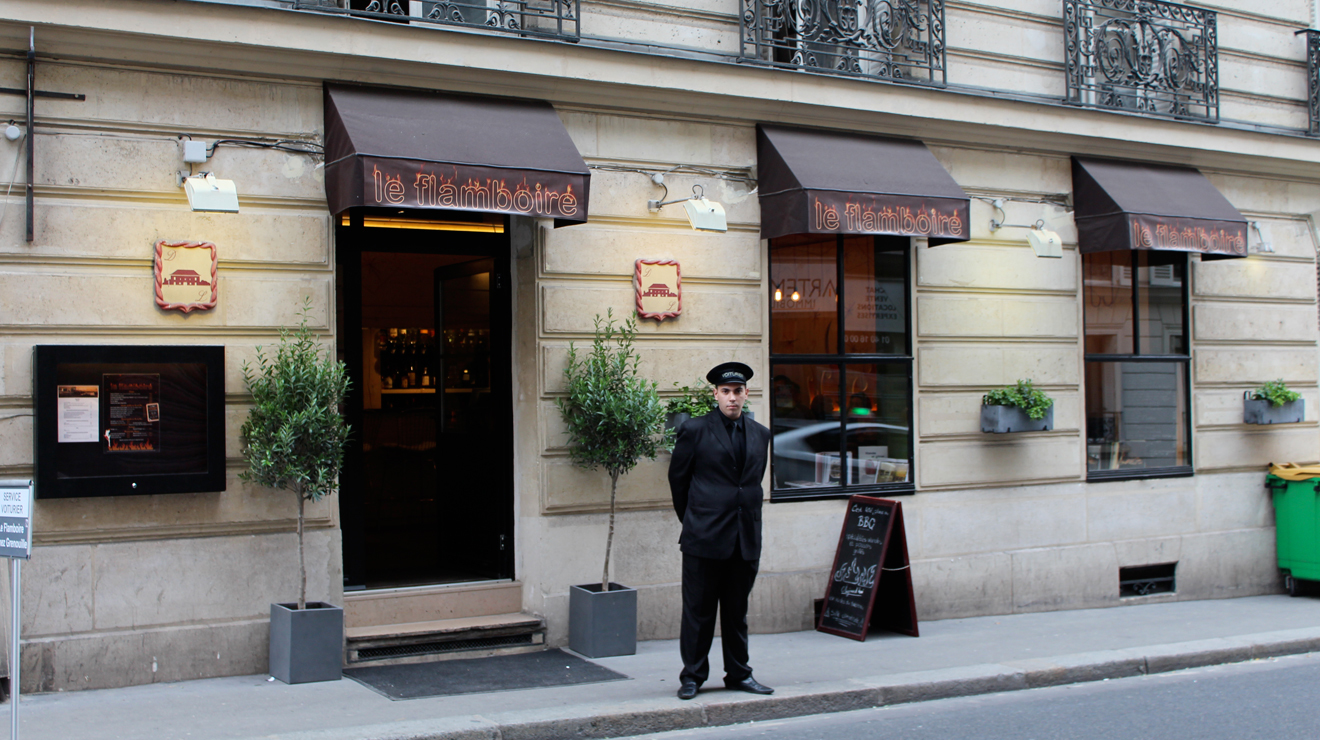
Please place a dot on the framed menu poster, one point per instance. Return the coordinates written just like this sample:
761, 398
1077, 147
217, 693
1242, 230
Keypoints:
125, 420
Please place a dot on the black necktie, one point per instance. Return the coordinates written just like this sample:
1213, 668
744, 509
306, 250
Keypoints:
737, 441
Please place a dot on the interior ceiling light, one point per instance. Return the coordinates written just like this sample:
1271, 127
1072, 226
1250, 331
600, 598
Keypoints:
386, 222
703, 214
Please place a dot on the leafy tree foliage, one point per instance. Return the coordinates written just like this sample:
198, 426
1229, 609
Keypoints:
294, 437
613, 416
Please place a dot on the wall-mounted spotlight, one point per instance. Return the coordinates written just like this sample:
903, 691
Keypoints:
1262, 244
1044, 243
208, 193
703, 214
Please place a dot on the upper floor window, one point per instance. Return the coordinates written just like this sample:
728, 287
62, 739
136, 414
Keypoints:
1146, 57
1312, 79
903, 41
1137, 364
840, 365
548, 18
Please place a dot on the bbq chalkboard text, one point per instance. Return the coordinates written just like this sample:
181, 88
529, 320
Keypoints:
871, 582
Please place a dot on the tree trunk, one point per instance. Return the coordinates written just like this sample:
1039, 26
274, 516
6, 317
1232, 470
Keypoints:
302, 561
609, 541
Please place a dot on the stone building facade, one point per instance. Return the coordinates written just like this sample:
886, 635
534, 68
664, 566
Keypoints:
136, 589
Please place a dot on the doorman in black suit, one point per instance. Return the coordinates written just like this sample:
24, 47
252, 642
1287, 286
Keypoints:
715, 477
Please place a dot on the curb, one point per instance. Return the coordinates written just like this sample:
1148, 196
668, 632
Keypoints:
666, 714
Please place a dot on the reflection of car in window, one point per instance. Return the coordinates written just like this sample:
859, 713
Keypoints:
798, 442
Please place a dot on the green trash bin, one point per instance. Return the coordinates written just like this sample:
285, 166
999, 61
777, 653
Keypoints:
1297, 526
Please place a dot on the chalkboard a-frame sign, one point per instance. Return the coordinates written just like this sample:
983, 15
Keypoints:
871, 582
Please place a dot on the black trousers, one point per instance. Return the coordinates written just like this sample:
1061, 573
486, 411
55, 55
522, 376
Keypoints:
708, 584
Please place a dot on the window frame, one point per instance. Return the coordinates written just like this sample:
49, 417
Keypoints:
1136, 356
843, 360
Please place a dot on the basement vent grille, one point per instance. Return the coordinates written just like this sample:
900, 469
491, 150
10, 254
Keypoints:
1144, 580
436, 648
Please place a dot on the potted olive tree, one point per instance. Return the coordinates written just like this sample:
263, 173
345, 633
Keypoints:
614, 418
293, 440
1273, 403
1016, 408
692, 400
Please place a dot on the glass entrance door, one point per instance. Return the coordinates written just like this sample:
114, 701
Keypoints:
467, 426
427, 490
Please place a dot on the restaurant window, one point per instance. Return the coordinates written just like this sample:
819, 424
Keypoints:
840, 366
1137, 364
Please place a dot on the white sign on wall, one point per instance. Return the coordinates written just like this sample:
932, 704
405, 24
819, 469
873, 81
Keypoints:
16, 519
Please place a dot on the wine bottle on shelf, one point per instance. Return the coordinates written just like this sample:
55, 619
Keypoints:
387, 360
413, 375
426, 356
401, 366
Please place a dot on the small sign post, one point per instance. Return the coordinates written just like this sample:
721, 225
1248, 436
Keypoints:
15, 544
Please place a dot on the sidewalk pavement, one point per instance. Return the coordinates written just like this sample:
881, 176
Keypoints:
812, 673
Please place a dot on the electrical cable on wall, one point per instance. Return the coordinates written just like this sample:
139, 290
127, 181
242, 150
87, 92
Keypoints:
681, 169
1061, 200
18, 157
292, 146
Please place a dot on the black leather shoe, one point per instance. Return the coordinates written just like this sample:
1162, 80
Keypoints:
688, 690
750, 685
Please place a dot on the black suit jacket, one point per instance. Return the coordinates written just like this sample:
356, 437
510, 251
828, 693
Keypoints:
720, 511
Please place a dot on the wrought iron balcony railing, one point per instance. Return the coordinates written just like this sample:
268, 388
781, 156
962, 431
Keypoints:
1143, 56
1312, 79
900, 40
547, 18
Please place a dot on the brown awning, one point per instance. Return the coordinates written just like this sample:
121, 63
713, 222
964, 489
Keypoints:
1136, 205
413, 149
829, 182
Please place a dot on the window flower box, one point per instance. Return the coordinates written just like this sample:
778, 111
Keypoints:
1006, 419
1261, 411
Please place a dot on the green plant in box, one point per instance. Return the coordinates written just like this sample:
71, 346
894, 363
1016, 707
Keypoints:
294, 437
614, 417
1024, 396
1276, 392
693, 400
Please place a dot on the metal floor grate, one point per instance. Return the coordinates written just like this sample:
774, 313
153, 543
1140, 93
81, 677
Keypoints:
435, 648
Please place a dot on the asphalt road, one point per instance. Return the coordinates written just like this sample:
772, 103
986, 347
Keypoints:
1275, 699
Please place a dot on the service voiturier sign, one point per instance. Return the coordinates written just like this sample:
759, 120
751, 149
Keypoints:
16, 519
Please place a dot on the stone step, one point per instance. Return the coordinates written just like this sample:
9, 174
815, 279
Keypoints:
440, 639
399, 606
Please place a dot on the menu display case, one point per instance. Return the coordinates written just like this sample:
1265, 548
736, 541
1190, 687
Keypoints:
128, 420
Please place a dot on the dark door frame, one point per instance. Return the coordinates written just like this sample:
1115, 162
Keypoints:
351, 241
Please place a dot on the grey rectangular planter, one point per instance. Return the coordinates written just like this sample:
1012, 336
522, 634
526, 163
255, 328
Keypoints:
306, 645
602, 624
676, 420
1260, 411
1004, 419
